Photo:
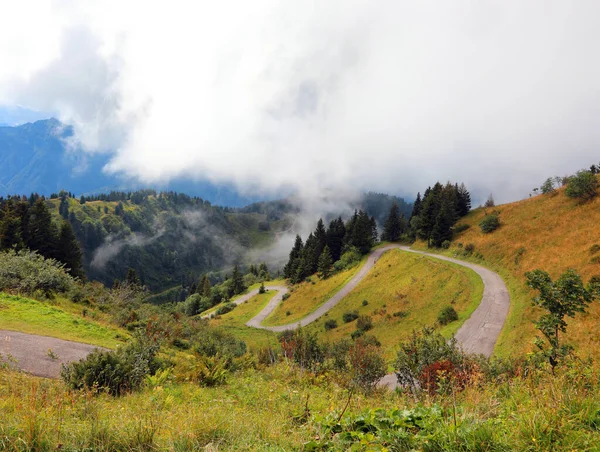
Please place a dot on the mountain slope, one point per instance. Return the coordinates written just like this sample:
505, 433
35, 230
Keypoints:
34, 158
549, 232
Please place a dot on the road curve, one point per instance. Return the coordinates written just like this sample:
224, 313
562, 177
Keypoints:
477, 335
339, 296
40, 355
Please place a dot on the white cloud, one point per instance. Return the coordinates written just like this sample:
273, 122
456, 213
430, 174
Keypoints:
385, 95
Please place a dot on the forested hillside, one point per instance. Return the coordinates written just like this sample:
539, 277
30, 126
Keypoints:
170, 239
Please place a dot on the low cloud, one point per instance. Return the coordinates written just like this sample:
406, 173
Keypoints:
277, 96
113, 246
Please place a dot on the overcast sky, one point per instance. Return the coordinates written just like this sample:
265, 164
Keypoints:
381, 95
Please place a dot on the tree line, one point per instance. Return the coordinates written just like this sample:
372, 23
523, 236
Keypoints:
342, 243
26, 223
324, 247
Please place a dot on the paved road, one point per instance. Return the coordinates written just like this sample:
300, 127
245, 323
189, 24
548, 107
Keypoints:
31, 352
355, 281
478, 334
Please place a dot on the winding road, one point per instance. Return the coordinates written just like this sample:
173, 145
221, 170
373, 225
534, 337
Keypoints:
40, 355
477, 335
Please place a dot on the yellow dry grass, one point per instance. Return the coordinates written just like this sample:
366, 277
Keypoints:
549, 232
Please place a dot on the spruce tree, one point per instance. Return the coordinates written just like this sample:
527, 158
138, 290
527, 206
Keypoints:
68, 251
464, 200
311, 260
131, 279
10, 233
237, 281
393, 228
445, 218
42, 231
320, 235
205, 286
430, 209
289, 271
335, 238
325, 263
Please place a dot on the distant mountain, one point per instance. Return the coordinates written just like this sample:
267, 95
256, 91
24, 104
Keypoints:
34, 158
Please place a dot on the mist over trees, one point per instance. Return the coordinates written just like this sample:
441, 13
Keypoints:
325, 247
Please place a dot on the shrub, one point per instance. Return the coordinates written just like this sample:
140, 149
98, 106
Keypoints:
401, 314
584, 186
446, 244
348, 317
350, 257
285, 296
211, 370
212, 342
594, 248
417, 355
356, 334
262, 289
489, 223
469, 248
116, 372
461, 228
447, 315
366, 364
330, 324
288, 313
195, 304
302, 347
365, 302
226, 308
26, 272
364, 323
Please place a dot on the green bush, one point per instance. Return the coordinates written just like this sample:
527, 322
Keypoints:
226, 308
469, 248
213, 342
365, 302
489, 223
446, 244
27, 272
461, 228
350, 257
285, 296
330, 324
195, 304
116, 372
584, 186
447, 315
364, 323
350, 316
302, 347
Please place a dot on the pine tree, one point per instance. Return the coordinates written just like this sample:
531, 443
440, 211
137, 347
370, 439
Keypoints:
311, 260
416, 207
445, 218
429, 212
68, 251
289, 271
42, 231
131, 279
325, 263
393, 227
464, 200
205, 286
320, 238
10, 233
263, 272
237, 281
335, 238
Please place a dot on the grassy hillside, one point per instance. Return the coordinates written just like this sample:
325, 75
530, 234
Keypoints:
307, 296
60, 321
404, 292
549, 232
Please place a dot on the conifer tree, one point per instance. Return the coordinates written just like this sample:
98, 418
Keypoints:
131, 279
206, 287
289, 271
42, 231
320, 235
10, 232
237, 281
393, 228
325, 263
68, 251
335, 238
310, 258
464, 200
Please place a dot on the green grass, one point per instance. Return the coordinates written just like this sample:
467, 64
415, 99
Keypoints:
416, 285
235, 322
306, 297
35, 317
